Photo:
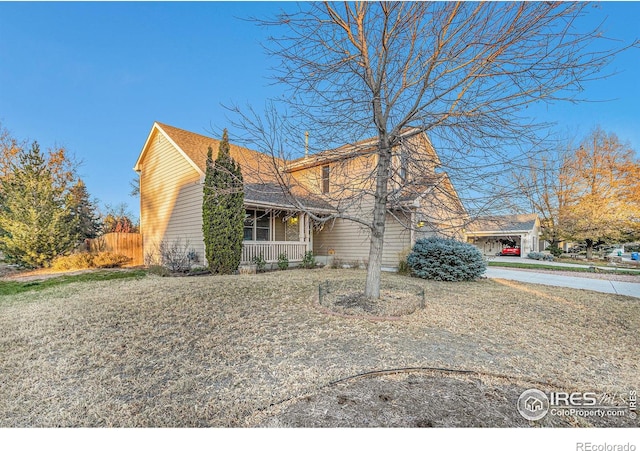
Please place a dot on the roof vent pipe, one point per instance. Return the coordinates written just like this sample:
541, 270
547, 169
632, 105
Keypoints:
306, 144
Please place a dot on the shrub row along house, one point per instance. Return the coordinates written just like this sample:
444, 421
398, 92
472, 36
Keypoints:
300, 205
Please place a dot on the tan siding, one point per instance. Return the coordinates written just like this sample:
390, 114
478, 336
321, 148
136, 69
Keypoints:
443, 213
352, 175
346, 178
170, 197
279, 228
349, 241
397, 239
345, 240
185, 223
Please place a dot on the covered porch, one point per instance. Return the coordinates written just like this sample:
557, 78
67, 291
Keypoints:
270, 232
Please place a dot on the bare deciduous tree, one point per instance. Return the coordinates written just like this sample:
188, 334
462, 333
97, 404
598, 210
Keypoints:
461, 73
542, 187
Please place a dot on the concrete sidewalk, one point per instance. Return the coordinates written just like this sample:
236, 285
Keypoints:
582, 283
528, 261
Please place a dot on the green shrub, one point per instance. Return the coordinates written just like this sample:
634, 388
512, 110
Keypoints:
260, 262
283, 261
445, 259
199, 270
555, 250
158, 270
309, 261
540, 256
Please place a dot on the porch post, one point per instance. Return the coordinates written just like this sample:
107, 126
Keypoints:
307, 232
301, 227
272, 226
412, 228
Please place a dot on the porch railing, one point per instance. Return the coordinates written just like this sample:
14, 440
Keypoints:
270, 250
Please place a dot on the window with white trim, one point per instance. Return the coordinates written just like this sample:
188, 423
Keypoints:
257, 225
325, 179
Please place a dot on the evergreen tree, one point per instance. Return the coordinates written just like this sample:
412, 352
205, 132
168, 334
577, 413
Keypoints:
223, 210
83, 212
35, 220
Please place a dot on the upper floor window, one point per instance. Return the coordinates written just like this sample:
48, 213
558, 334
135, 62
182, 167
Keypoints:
325, 179
404, 163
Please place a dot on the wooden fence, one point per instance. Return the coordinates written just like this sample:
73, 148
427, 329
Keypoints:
129, 244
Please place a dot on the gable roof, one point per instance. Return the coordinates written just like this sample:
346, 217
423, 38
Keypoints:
157, 129
258, 169
363, 147
505, 223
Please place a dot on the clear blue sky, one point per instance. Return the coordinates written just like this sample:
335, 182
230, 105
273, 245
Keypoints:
94, 76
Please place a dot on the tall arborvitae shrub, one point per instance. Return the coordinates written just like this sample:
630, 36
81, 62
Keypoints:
223, 211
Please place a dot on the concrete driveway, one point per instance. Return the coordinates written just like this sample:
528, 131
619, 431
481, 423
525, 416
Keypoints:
582, 283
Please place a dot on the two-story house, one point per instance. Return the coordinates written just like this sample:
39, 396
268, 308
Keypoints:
288, 202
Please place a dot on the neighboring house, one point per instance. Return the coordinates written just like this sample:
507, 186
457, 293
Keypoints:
491, 234
172, 166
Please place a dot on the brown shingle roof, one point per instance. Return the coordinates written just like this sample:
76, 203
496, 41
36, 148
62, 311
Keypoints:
258, 169
273, 194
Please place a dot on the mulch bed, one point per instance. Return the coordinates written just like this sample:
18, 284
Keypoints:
346, 298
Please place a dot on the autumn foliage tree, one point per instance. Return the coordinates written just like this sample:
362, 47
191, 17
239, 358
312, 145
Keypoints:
587, 193
118, 220
601, 186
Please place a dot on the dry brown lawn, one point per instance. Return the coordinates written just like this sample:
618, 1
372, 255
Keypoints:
257, 351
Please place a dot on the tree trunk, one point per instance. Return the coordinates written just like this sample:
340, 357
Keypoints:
589, 249
372, 284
